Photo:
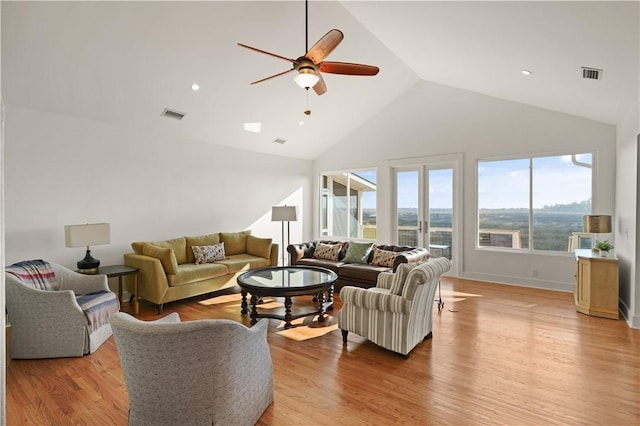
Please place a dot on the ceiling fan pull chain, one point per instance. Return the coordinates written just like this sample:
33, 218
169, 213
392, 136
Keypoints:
307, 111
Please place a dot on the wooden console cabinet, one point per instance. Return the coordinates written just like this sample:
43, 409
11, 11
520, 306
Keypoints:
596, 284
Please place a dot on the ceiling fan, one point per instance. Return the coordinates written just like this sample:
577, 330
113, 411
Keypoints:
310, 66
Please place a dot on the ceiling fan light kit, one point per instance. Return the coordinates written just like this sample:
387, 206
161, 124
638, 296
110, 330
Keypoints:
309, 67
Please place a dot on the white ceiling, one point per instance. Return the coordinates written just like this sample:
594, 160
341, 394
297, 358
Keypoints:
124, 62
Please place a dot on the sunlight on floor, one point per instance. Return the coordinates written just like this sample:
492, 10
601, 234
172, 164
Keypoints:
220, 300
300, 331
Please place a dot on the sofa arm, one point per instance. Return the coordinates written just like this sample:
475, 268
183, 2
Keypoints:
273, 256
152, 280
298, 251
418, 254
374, 300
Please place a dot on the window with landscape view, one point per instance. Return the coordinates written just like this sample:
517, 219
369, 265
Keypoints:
348, 205
533, 203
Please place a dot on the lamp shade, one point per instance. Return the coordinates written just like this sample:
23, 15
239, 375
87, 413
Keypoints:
597, 224
284, 213
306, 77
90, 234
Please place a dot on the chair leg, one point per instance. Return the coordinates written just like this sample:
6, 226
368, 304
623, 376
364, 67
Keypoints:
428, 336
344, 336
160, 307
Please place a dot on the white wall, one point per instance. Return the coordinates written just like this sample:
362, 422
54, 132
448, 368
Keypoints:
627, 200
432, 119
61, 170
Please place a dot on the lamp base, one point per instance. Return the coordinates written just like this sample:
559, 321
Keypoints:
88, 265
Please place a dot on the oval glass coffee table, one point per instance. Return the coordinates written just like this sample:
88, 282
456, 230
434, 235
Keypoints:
287, 282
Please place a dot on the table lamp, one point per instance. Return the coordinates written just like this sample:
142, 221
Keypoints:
596, 224
90, 234
284, 214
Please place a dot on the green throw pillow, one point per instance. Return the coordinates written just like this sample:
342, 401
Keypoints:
357, 252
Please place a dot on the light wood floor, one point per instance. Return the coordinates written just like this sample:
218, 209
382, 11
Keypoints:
499, 355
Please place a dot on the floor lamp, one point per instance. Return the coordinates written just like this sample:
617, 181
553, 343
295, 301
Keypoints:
284, 214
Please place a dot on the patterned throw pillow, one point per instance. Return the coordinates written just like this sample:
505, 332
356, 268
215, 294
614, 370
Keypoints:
208, 254
327, 251
383, 257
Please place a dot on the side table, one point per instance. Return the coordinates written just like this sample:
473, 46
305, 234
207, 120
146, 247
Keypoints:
122, 271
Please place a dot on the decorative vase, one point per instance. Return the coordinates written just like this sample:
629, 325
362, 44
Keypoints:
604, 253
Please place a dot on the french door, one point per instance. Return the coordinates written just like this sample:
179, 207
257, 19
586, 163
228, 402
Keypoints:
425, 205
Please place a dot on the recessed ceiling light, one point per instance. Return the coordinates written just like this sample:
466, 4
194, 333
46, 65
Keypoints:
300, 123
526, 72
195, 87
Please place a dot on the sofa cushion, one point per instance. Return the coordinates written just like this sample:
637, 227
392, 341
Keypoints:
323, 263
164, 254
260, 247
400, 277
357, 252
137, 246
327, 251
359, 272
235, 242
190, 272
179, 247
208, 254
383, 257
244, 262
201, 240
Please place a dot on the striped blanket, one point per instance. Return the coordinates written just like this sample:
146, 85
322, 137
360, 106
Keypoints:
98, 307
35, 273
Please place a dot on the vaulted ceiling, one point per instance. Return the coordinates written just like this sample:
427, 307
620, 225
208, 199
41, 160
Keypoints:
125, 62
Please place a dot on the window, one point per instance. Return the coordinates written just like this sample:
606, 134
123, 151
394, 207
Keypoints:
533, 203
348, 205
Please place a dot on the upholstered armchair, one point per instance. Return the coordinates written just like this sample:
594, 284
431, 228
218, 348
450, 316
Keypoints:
396, 314
203, 372
55, 312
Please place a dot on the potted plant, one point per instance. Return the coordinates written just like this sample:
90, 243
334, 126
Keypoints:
604, 247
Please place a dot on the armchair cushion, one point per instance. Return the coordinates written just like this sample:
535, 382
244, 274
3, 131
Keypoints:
400, 277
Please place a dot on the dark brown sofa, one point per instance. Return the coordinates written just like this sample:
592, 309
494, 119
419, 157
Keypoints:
355, 274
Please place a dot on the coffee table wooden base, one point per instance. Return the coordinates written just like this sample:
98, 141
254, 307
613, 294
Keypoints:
324, 304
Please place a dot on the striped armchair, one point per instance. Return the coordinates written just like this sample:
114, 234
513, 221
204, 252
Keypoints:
396, 314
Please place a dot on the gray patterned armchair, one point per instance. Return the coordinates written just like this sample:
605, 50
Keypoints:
203, 372
55, 312
396, 314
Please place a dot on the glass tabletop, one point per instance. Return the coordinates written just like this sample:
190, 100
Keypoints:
288, 277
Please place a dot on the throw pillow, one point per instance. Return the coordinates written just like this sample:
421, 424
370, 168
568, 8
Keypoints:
179, 247
383, 257
357, 252
260, 247
327, 251
208, 254
235, 242
400, 277
201, 240
165, 255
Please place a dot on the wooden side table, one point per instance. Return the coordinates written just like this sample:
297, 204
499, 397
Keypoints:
596, 284
122, 271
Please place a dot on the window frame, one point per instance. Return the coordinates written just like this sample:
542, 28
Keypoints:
530, 158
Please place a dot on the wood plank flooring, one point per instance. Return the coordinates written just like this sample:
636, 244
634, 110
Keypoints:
500, 355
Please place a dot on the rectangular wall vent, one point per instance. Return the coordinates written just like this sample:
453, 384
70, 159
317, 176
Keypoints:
279, 140
172, 113
591, 73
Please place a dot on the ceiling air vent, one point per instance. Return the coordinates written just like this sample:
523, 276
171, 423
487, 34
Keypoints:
591, 73
172, 113
279, 140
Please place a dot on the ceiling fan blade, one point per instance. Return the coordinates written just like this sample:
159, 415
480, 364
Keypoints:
320, 87
348, 68
324, 46
273, 76
268, 53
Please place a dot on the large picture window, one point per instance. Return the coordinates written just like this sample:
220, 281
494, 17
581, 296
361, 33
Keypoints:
533, 203
348, 205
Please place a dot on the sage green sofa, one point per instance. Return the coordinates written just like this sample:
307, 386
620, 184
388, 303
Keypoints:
168, 272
